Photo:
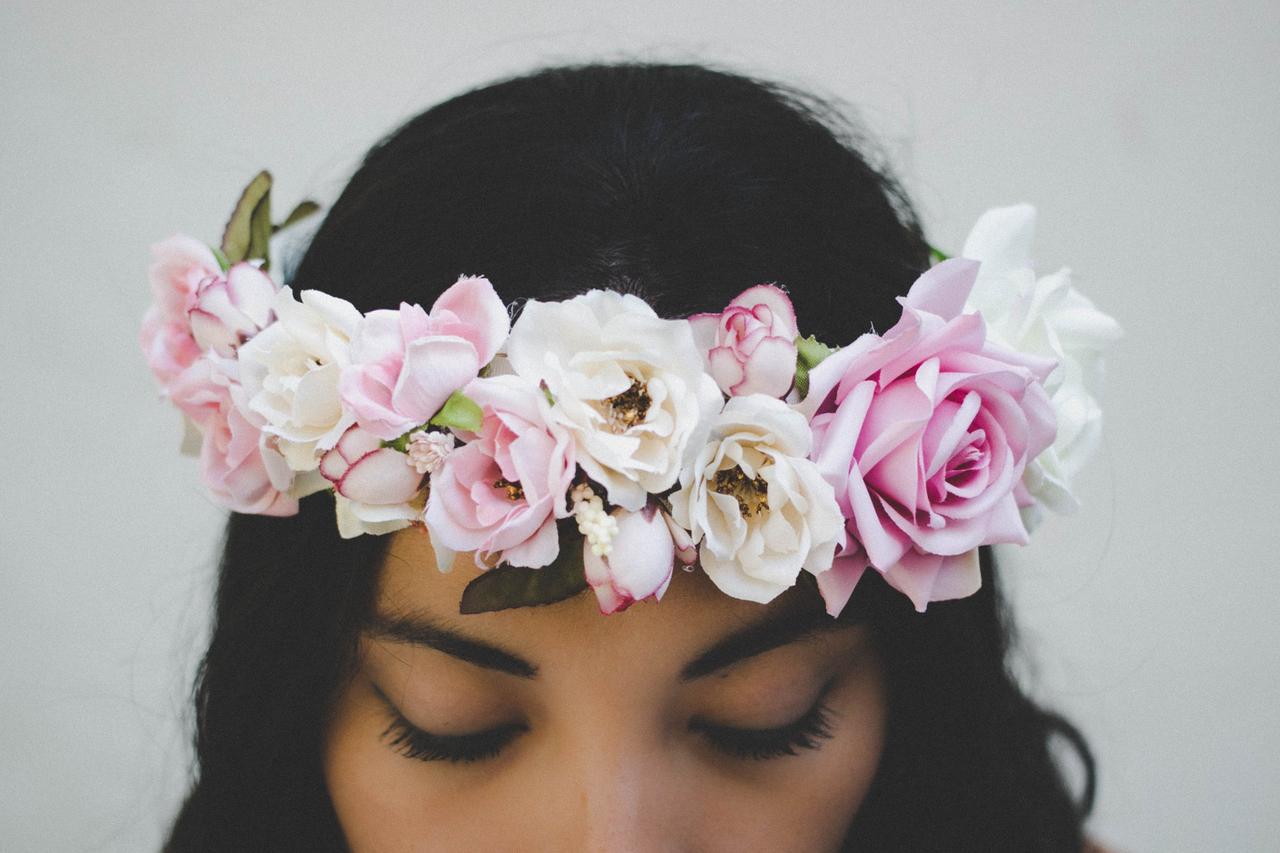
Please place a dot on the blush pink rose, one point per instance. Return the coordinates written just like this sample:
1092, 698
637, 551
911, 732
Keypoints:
750, 346
406, 363
178, 266
925, 432
237, 462
501, 493
228, 310
640, 562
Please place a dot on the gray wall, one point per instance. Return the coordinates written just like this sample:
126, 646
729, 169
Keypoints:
1145, 133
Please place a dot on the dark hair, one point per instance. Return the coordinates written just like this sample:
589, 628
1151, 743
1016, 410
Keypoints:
682, 184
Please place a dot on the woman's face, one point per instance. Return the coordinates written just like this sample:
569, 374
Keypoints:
698, 723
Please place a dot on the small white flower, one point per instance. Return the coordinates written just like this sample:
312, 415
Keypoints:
290, 371
759, 508
598, 526
629, 387
1043, 316
428, 448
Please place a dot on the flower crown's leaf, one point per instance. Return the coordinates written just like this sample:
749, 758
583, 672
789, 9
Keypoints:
809, 353
221, 258
506, 586
459, 412
299, 213
937, 255
249, 228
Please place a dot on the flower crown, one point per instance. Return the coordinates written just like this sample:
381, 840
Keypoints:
594, 443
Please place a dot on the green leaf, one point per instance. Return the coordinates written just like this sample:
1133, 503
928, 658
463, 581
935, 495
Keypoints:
938, 255
222, 259
809, 353
504, 586
249, 228
299, 213
459, 412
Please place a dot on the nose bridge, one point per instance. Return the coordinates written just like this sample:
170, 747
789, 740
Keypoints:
619, 780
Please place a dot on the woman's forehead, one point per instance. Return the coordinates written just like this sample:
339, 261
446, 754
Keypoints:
692, 615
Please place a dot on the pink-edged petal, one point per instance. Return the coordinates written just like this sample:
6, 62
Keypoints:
251, 291
770, 370
779, 304
380, 477
643, 553
685, 549
333, 466
356, 442
724, 367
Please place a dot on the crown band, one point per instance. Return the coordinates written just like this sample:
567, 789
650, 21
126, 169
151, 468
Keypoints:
594, 443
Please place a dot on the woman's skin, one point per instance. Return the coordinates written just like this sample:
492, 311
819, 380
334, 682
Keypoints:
609, 751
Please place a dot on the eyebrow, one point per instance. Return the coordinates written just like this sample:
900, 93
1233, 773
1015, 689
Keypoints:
421, 631
755, 638
779, 628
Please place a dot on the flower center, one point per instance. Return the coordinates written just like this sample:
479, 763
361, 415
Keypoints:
629, 408
752, 493
514, 491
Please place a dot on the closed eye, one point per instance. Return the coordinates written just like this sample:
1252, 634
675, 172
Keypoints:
763, 744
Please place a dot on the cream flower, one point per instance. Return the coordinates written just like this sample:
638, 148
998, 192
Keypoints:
290, 373
759, 508
1043, 316
627, 385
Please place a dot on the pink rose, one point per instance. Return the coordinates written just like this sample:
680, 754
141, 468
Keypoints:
227, 311
641, 558
501, 493
925, 432
178, 266
237, 462
750, 347
406, 363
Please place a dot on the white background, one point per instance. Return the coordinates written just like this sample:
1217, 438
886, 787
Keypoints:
1145, 134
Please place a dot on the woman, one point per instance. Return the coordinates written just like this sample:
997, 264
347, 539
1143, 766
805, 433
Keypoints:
345, 704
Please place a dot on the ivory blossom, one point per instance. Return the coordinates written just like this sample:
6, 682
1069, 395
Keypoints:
627, 385
759, 510
1046, 316
925, 432
290, 373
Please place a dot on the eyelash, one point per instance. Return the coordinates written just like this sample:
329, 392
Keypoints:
746, 744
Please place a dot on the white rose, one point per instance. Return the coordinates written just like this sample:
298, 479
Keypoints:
628, 385
759, 508
1047, 317
289, 372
